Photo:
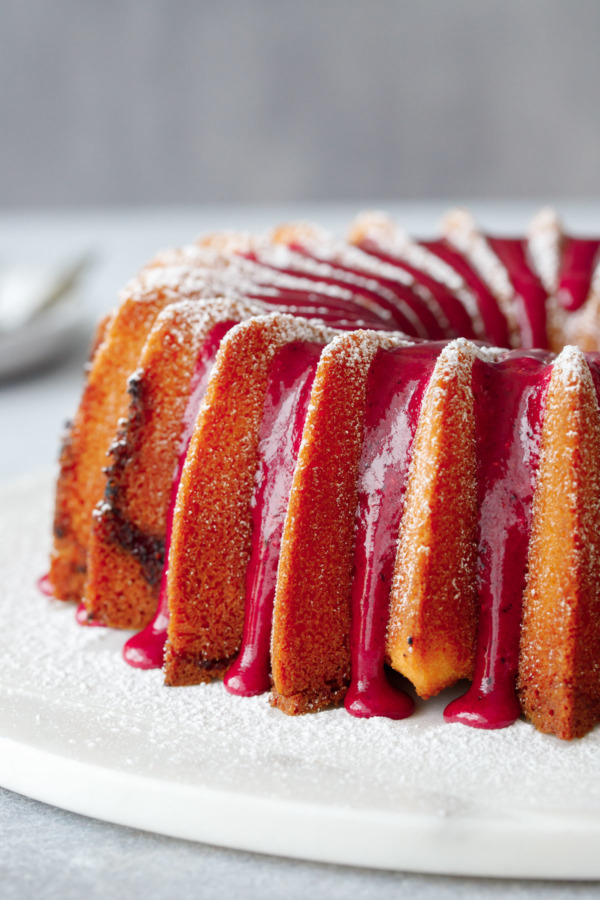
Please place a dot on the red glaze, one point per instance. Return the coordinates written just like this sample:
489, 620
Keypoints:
421, 320
494, 322
286, 405
395, 387
408, 297
579, 257
337, 312
459, 321
44, 585
530, 294
145, 650
507, 460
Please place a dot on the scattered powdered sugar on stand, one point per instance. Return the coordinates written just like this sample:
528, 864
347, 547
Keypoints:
87, 704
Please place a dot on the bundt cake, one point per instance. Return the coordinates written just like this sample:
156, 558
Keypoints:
305, 465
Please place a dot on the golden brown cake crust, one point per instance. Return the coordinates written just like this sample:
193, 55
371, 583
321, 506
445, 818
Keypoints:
81, 479
559, 671
68, 559
104, 402
126, 553
122, 586
433, 604
211, 538
310, 644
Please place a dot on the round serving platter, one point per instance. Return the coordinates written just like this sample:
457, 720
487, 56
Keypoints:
81, 730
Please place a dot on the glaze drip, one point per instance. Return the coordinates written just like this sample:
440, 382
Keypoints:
145, 650
395, 388
342, 314
45, 586
495, 324
82, 617
454, 312
530, 295
286, 405
406, 296
579, 257
508, 448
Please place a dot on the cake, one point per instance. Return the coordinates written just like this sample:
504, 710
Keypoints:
302, 464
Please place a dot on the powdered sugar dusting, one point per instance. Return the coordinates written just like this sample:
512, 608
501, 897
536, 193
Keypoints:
459, 227
393, 240
355, 258
280, 256
358, 350
572, 369
291, 328
369, 223
448, 397
545, 239
200, 314
83, 702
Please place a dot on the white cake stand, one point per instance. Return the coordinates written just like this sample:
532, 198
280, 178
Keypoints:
81, 730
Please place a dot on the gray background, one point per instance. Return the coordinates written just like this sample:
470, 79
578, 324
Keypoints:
61, 856
173, 101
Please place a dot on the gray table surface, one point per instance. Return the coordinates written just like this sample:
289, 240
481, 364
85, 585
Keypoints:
46, 852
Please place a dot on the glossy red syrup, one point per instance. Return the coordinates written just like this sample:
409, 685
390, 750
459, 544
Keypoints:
593, 361
578, 260
459, 321
337, 312
426, 324
408, 297
146, 649
396, 383
81, 617
494, 321
44, 585
286, 405
530, 294
508, 448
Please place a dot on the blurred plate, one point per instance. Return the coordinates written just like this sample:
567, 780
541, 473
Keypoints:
43, 339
